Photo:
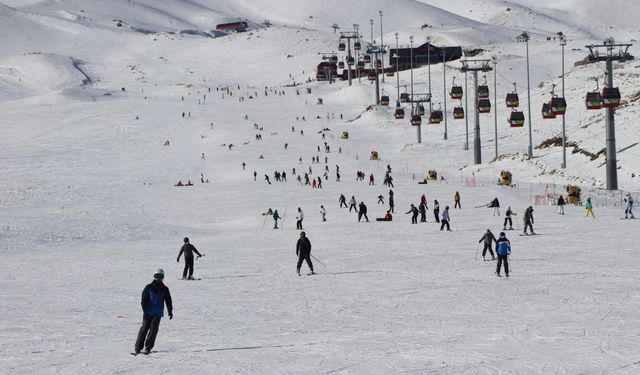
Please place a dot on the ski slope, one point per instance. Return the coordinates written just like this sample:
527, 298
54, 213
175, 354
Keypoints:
89, 207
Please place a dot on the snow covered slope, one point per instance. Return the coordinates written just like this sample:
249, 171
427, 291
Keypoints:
91, 90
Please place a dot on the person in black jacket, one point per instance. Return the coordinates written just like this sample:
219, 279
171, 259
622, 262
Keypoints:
154, 297
362, 211
423, 212
303, 251
188, 250
488, 237
414, 214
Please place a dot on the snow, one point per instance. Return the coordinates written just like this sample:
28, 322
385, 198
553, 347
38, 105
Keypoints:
89, 209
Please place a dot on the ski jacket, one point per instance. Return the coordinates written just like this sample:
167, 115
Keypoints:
276, 216
422, 208
413, 210
445, 215
303, 247
561, 201
436, 206
629, 201
494, 203
508, 213
352, 201
154, 297
503, 246
456, 197
188, 250
487, 238
588, 205
362, 208
528, 216
300, 215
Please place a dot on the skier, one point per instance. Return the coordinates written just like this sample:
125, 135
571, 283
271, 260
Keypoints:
628, 208
371, 180
299, 218
323, 212
414, 214
352, 204
362, 211
589, 208
391, 204
503, 248
507, 218
528, 220
154, 296
487, 238
495, 204
380, 199
255, 174
275, 219
423, 211
243, 166
436, 210
456, 199
266, 177
342, 201
188, 250
561, 204
444, 219
303, 251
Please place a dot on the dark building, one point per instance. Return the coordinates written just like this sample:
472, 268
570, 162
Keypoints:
421, 55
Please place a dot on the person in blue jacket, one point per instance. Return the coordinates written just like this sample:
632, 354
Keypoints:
503, 248
154, 297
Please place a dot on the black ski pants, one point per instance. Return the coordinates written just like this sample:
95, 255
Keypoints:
528, 225
353, 206
436, 215
188, 267
457, 205
423, 217
487, 246
304, 257
505, 259
361, 214
343, 203
148, 332
445, 223
508, 219
392, 207
414, 218
299, 224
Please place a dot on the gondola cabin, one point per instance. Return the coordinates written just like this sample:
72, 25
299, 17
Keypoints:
483, 91
399, 114
389, 72
456, 92
404, 97
334, 59
378, 63
372, 75
341, 46
367, 59
360, 65
350, 60
547, 113
416, 120
341, 65
593, 100
357, 46
558, 105
420, 109
484, 106
384, 100
610, 97
436, 117
512, 100
516, 119
458, 113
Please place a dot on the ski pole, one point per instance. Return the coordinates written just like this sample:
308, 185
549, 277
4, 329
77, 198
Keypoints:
264, 222
283, 217
476, 258
319, 261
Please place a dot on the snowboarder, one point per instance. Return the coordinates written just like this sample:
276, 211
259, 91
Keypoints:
362, 211
387, 217
303, 251
507, 218
589, 208
436, 210
414, 214
380, 199
495, 204
423, 211
503, 248
488, 237
456, 199
154, 296
342, 201
444, 219
628, 208
352, 204
299, 218
561, 204
188, 250
528, 220
323, 212
275, 219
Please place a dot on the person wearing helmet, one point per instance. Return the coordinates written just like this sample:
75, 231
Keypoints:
303, 251
154, 296
503, 248
188, 250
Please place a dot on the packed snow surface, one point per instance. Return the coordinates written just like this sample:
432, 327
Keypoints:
91, 90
